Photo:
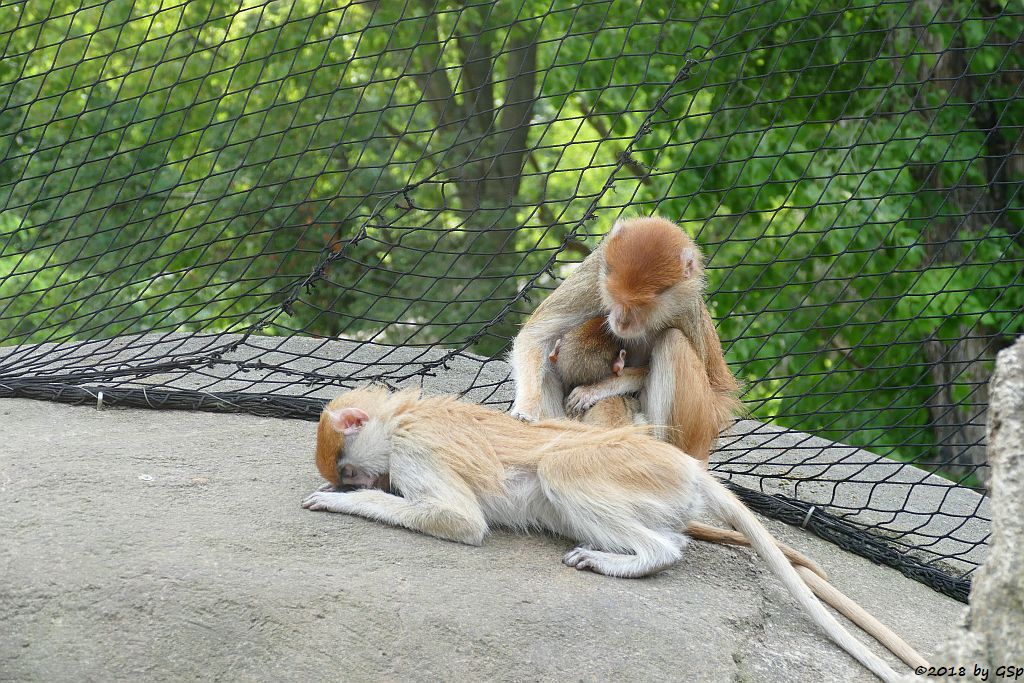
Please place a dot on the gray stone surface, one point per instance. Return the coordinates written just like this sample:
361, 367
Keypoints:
912, 508
145, 545
993, 633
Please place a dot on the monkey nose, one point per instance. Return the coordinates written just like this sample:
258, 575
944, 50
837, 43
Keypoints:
348, 472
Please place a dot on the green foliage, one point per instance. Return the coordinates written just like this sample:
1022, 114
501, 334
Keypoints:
300, 165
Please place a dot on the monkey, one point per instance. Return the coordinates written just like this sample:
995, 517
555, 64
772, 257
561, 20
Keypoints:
647, 279
587, 355
462, 468
590, 354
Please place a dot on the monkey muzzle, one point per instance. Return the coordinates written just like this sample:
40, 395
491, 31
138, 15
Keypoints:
627, 322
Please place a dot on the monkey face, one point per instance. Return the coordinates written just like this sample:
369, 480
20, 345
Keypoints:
352, 475
648, 263
335, 426
628, 321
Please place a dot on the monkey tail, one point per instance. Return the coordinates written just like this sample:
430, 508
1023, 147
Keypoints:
729, 508
712, 534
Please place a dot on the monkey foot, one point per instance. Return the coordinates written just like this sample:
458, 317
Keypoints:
581, 558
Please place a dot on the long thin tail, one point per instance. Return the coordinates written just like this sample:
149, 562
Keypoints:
816, 579
712, 534
726, 506
858, 615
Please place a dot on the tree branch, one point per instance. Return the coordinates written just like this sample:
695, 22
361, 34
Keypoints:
632, 165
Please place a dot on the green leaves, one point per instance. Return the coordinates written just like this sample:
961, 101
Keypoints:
401, 173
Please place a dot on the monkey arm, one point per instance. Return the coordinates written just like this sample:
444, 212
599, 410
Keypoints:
429, 517
434, 501
582, 398
680, 400
576, 300
527, 359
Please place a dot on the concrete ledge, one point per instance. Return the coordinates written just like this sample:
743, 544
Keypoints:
169, 545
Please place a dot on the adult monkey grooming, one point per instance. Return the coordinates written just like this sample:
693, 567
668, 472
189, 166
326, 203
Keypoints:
461, 468
647, 278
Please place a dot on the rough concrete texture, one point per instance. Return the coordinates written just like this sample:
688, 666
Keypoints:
993, 633
145, 545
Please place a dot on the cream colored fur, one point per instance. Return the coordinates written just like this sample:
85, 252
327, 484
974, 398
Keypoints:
623, 495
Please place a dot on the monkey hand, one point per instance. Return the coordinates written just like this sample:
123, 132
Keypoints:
331, 501
525, 413
582, 398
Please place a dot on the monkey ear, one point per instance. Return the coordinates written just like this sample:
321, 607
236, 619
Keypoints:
690, 260
616, 227
619, 363
553, 356
348, 421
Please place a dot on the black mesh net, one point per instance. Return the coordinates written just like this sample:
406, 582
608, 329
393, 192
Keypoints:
209, 206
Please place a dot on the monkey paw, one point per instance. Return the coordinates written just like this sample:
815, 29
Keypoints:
323, 500
524, 416
581, 399
581, 558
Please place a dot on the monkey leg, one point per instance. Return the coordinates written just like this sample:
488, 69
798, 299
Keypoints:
615, 539
650, 552
678, 398
447, 522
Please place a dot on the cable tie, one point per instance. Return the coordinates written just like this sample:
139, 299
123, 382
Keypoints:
807, 517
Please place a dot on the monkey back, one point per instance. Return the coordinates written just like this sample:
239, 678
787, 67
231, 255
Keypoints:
586, 354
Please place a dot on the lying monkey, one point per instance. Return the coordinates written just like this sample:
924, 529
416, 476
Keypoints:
590, 354
622, 494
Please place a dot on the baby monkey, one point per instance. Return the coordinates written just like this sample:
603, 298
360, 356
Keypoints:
585, 357
461, 469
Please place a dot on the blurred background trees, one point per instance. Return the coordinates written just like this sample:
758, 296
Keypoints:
420, 173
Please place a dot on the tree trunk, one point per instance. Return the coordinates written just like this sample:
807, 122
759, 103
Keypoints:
964, 361
486, 151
